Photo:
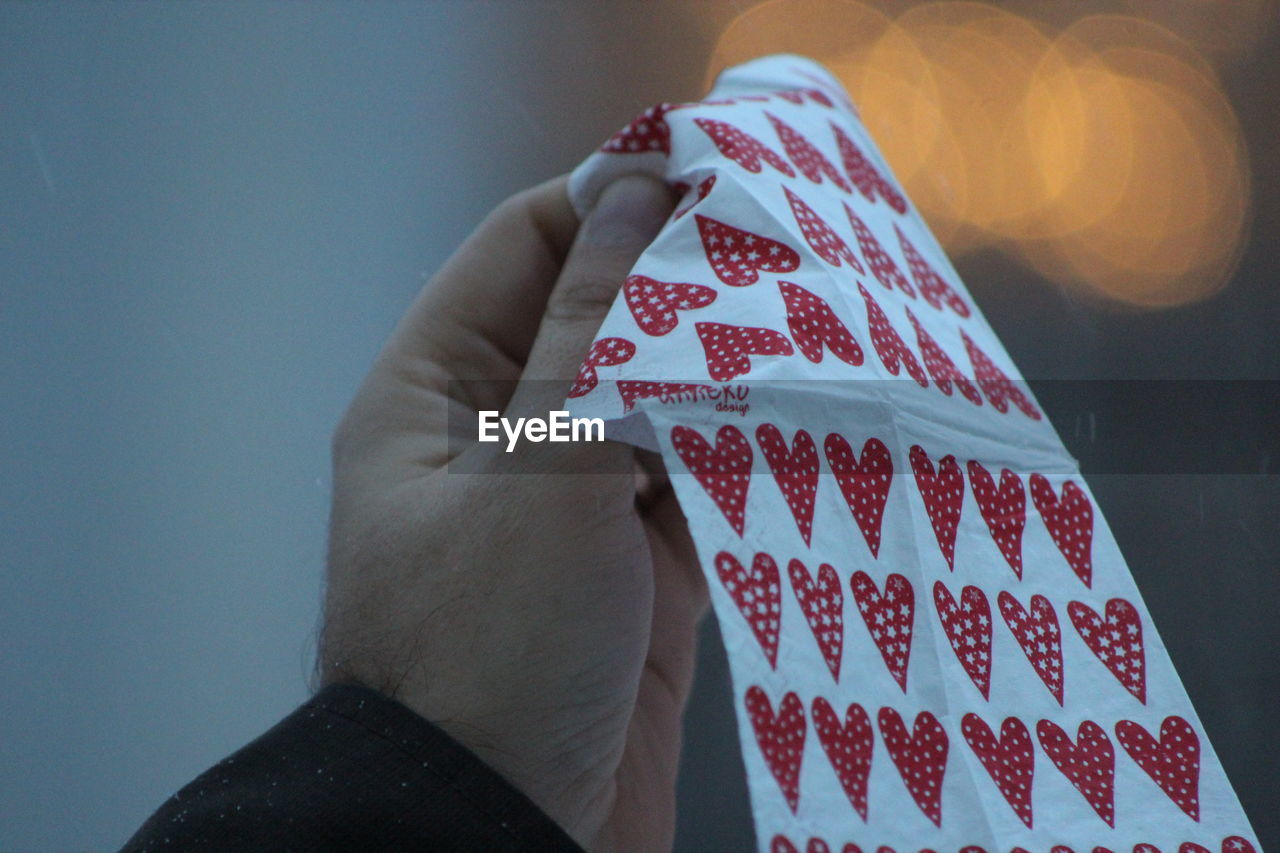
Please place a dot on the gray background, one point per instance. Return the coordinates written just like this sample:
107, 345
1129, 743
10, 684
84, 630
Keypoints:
211, 216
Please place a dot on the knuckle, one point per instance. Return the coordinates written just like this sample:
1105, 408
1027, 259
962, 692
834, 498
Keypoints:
587, 296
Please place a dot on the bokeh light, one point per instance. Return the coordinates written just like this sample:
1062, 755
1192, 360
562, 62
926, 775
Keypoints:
1098, 150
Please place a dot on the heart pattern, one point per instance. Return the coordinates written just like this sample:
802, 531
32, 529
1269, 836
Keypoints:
724, 471
943, 495
864, 482
933, 287
893, 351
1003, 509
758, 597
606, 352
737, 256
889, 616
781, 738
1039, 636
813, 325
848, 746
1009, 761
811, 162
743, 148
881, 263
921, 757
704, 190
968, 629
1089, 764
998, 388
1116, 640
1069, 520
638, 389
820, 236
728, 349
1172, 762
823, 606
864, 175
654, 303
940, 366
648, 132
795, 470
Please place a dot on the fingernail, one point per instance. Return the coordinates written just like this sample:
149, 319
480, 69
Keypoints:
630, 210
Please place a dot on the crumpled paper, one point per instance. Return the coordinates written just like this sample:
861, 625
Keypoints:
934, 640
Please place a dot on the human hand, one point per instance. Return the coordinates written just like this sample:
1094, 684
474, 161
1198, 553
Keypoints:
546, 621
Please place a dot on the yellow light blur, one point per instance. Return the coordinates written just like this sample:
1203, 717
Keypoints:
1103, 155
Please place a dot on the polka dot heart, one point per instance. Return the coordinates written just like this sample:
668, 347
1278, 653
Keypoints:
864, 482
724, 470
848, 746
894, 353
814, 326
649, 132
933, 287
889, 617
921, 757
781, 738
743, 148
1069, 520
795, 470
968, 629
943, 494
811, 162
704, 190
829, 245
1089, 764
1116, 640
1172, 762
606, 352
940, 366
1039, 637
757, 595
863, 173
654, 303
1009, 760
998, 388
737, 256
728, 349
881, 263
823, 605
1004, 510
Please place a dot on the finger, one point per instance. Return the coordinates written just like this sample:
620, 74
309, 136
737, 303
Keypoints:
623, 223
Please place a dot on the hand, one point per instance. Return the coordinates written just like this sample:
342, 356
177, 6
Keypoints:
546, 621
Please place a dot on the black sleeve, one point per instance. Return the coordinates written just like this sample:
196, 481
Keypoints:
351, 770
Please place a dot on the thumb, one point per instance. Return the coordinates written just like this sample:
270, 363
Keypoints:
625, 220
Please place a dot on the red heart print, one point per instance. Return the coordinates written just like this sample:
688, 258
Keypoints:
933, 287
743, 148
704, 190
606, 352
864, 175
654, 303
723, 471
649, 132
736, 256
1039, 636
797, 97
782, 844
757, 595
636, 389
728, 349
863, 482
893, 351
829, 245
940, 366
1004, 510
921, 757
781, 738
1236, 844
813, 324
1173, 762
817, 845
811, 162
1192, 847
882, 265
888, 616
1145, 848
823, 606
943, 496
1069, 520
999, 389
848, 747
795, 470
1115, 640
1089, 764
968, 628
1009, 760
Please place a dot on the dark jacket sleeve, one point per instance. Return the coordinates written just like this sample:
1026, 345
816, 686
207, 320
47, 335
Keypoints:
351, 770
